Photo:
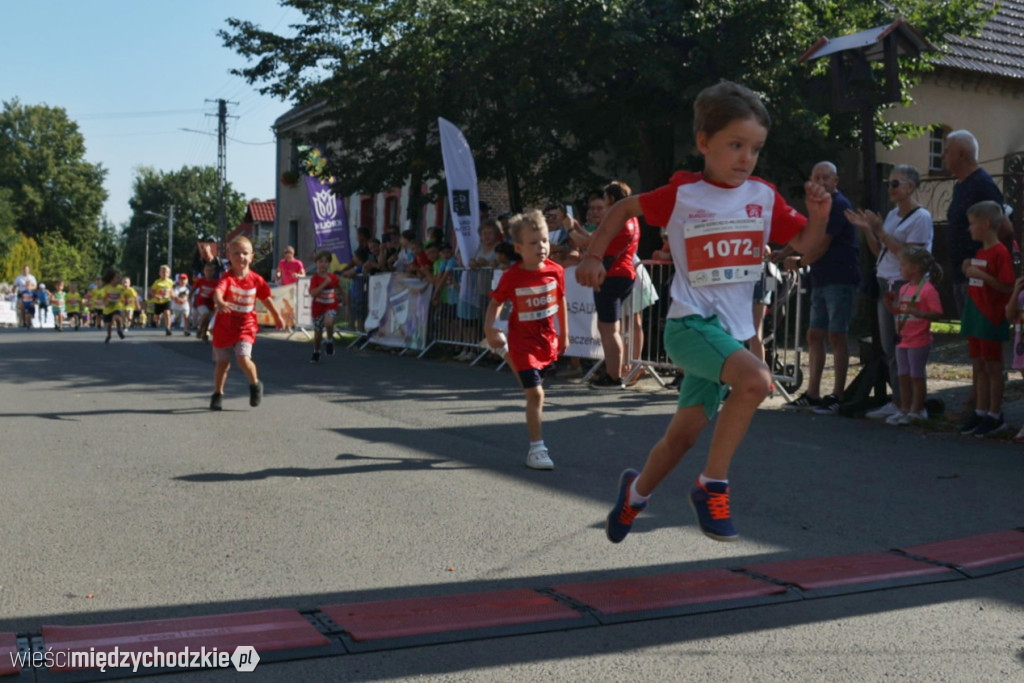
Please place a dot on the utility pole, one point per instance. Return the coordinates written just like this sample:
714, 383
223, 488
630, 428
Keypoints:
222, 168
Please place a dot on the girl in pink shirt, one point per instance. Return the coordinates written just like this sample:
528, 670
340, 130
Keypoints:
917, 305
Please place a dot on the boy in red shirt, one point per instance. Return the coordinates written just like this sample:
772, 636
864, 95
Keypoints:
324, 289
990, 282
236, 325
203, 304
536, 288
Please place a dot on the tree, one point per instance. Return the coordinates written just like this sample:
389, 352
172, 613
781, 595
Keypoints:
42, 164
24, 252
554, 93
193, 192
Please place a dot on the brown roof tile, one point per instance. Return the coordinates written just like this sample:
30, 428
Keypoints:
998, 51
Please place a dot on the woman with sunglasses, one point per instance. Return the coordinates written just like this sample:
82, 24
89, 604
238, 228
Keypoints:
908, 225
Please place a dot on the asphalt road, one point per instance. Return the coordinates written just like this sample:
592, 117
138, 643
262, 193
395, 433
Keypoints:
374, 476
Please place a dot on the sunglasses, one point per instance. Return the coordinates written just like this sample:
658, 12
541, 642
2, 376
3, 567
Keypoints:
896, 183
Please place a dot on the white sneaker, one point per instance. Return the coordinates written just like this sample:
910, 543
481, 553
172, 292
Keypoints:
1019, 438
885, 411
917, 417
897, 418
538, 459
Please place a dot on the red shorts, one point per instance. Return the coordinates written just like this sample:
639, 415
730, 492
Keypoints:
984, 349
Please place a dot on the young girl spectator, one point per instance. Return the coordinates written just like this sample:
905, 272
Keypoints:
710, 317
915, 307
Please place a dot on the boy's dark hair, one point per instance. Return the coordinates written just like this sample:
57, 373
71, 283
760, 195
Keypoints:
720, 104
409, 235
322, 253
364, 232
617, 190
110, 275
989, 211
362, 254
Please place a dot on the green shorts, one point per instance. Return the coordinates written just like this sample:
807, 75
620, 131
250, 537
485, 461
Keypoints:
700, 346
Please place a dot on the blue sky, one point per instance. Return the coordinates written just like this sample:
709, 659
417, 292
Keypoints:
133, 73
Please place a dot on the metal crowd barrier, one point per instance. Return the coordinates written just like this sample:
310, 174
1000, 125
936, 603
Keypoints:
643, 322
458, 309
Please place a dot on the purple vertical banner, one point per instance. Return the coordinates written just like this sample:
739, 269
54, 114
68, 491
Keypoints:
330, 220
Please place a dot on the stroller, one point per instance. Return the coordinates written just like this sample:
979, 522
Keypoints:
781, 353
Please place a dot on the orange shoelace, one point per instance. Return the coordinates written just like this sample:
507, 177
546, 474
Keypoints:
718, 505
627, 514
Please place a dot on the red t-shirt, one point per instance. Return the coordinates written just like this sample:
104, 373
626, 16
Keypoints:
240, 294
204, 291
290, 270
622, 249
997, 262
327, 299
536, 296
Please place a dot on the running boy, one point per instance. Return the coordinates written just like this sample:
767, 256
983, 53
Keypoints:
160, 293
129, 303
236, 325
717, 224
60, 298
324, 288
536, 288
74, 305
111, 294
990, 282
204, 286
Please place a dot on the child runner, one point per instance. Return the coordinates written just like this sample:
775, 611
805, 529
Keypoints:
717, 223
918, 305
43, 303
324, 289
112, 296
74, 305
59, 305
96, 304
990, 282
28, 306
536, 288
129, 303
236, 325
180, 309
160, 293
204, 286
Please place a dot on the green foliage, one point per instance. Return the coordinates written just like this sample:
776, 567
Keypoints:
42, 164
557, 94
60, 260
24, 252
193, 192
8, 231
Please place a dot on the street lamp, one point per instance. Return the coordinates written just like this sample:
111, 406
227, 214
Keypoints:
145, 276
170, 233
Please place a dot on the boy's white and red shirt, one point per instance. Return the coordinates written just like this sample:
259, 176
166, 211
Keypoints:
241, 295
717, 234
536, 296
327, 299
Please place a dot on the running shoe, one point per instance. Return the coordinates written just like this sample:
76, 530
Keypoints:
970, 423
538, 459
255, 393
120, 333
899, 418
315, 358
802, 402
620, 519
884, 412
990, 426
329, 347
711, 503
606, 383
829, 405
217, 402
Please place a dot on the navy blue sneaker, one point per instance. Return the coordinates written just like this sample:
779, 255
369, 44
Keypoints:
620, 519
711, 503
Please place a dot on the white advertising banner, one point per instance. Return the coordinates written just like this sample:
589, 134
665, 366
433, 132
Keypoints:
463, 194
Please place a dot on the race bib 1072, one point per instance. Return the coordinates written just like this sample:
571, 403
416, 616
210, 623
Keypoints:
725, 251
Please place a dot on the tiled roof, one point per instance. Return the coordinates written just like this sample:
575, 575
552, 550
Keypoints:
261, 212
998, 51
